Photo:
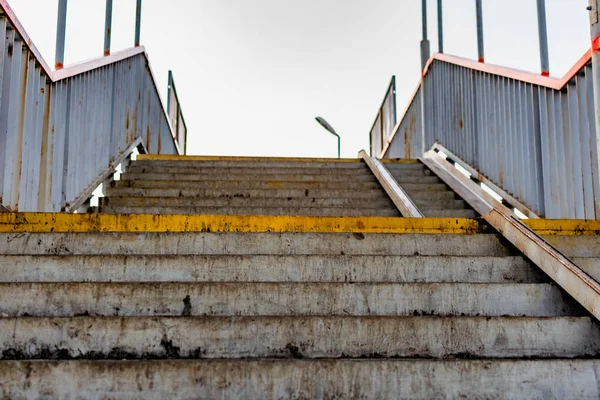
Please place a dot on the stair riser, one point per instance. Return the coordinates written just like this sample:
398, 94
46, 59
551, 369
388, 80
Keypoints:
369, 194
401, 269
251, 177
302, 202
314, 212
250, 164
441, 203
243, 184
249, 299
182, 170
436, 213
251, 244
295, 337
229, 379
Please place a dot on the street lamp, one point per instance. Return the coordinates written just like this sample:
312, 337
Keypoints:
325, 125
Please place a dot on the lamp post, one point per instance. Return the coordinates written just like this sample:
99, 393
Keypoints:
325, 125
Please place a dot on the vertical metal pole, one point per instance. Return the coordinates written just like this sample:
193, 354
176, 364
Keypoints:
425, 41
138, 22
61, 27
594, 6
543, 33
107, 27
480, 47
440, 27
339, 147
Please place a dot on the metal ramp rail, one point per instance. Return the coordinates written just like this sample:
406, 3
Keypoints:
63, 132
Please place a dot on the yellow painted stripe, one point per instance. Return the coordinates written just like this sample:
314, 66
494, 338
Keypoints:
399, 161
564, 227
54, 222
167, 157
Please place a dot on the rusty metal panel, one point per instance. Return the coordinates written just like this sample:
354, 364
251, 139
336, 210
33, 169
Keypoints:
532, 137
385, 122
176, 115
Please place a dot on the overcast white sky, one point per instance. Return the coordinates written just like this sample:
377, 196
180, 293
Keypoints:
253, 74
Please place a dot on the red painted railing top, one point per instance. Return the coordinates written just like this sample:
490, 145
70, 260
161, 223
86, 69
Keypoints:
72, 70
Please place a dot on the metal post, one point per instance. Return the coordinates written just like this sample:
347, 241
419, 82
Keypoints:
440, 27
543, 32
138, 22
107, 27
480, 48
61, 27
425, 41
339, 147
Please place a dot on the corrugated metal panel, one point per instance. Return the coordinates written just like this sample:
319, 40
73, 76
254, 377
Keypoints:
532, 138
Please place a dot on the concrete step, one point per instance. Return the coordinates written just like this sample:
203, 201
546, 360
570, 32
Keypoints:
292, 211
450, 204
301, 379
301, 202
245, 184
281, 244
227, 192
590, 265
297, 337
252, 163
424, 195
428, 187
248, 170
421, 172
404, 179
448, 213
391, 166
285, 299
252, 177
576, 246
252, 243
252, 268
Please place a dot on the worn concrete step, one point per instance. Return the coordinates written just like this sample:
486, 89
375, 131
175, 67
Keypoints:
256, 299
253, 268
417, 173
226, 192
402, 180
308, 163
450, 204
577, 245
245, 184
292, 211
425, 195
448, 213
302, 379
302, 202
248, 170
392, 166
428, 187
590, 265
251, 177
205, 243
297, 337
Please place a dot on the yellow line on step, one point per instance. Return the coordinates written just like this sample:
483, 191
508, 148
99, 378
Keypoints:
62, 222
564, 227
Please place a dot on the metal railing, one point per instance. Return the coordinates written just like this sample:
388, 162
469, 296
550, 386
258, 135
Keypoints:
386, 119
60, 131
176, 115
532, 136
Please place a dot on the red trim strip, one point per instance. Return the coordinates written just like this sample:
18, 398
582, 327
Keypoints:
596, 44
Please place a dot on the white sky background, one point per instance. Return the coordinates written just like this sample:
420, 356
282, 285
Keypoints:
253, 74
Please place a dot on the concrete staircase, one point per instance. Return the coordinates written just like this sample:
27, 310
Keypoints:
245, 312
246, 186
429, 193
